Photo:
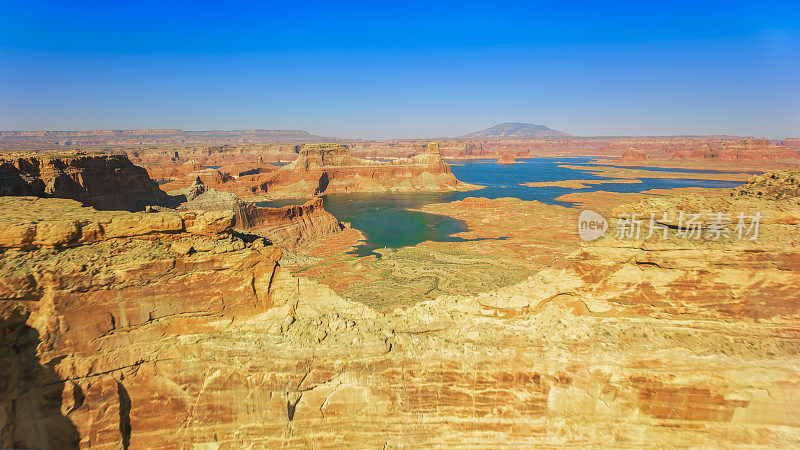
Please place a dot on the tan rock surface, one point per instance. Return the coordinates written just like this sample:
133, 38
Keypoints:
327, 168
117, 340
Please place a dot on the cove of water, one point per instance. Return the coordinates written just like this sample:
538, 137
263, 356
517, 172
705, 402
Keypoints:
386, 222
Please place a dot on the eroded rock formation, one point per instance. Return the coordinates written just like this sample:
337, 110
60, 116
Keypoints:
328, 168
98, 180
633, 154
287, 226
774, 185
759, 151
168, 330
507, 158
294, 224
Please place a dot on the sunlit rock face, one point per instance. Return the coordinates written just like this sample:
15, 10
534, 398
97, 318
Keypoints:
168, 329
328, 168
287, 226
722, 150
633, 154
295, 224
316, 169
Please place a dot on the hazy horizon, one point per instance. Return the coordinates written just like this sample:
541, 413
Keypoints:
347, 138
376, 71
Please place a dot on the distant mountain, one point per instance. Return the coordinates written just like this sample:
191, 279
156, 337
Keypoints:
516, 131
35, 139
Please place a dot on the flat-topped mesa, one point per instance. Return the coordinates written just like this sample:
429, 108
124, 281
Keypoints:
292, 225
705, 149
633, 154
329, 168
506, 158
755, 150
288, 226
103, 181
316, 156
431, 156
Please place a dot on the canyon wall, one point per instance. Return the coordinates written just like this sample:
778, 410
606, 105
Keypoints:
294, 224
287, 226
112, 182
212, 155
703, 149
98, 180
330, 168
317, 169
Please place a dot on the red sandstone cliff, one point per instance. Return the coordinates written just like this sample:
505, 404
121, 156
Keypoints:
326, 168
288, 226
754, 150
633, 154
792, 143
173, 170
98, 180
703, 149
293, 225
112, 182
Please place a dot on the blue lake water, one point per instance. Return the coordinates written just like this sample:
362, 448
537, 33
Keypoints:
386, 221
679, 169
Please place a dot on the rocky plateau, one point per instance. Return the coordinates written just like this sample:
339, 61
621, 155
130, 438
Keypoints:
173, 329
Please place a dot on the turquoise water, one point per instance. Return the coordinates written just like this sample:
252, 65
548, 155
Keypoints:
386, 221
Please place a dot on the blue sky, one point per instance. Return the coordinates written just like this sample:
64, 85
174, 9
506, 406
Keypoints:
406, 69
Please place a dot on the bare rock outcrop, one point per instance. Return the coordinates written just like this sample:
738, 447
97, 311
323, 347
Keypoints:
633, 154
793, 143
294, 224
727, 150
507, 158
288, 226
772, 185
108, 182
328, 168
152, 335
713, 256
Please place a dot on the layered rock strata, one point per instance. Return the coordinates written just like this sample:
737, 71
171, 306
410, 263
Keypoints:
99, 180
287, 226
164, 330
330, 168
294, 224
758, 151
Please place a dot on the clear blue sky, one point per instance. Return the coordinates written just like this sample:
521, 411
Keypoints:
405, 69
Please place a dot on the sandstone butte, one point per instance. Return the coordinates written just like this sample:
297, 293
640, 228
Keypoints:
320, 169
633, 154
112, 182
172, 329
245, 168
507, 158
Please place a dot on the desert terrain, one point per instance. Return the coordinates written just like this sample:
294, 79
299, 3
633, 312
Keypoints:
150, 300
